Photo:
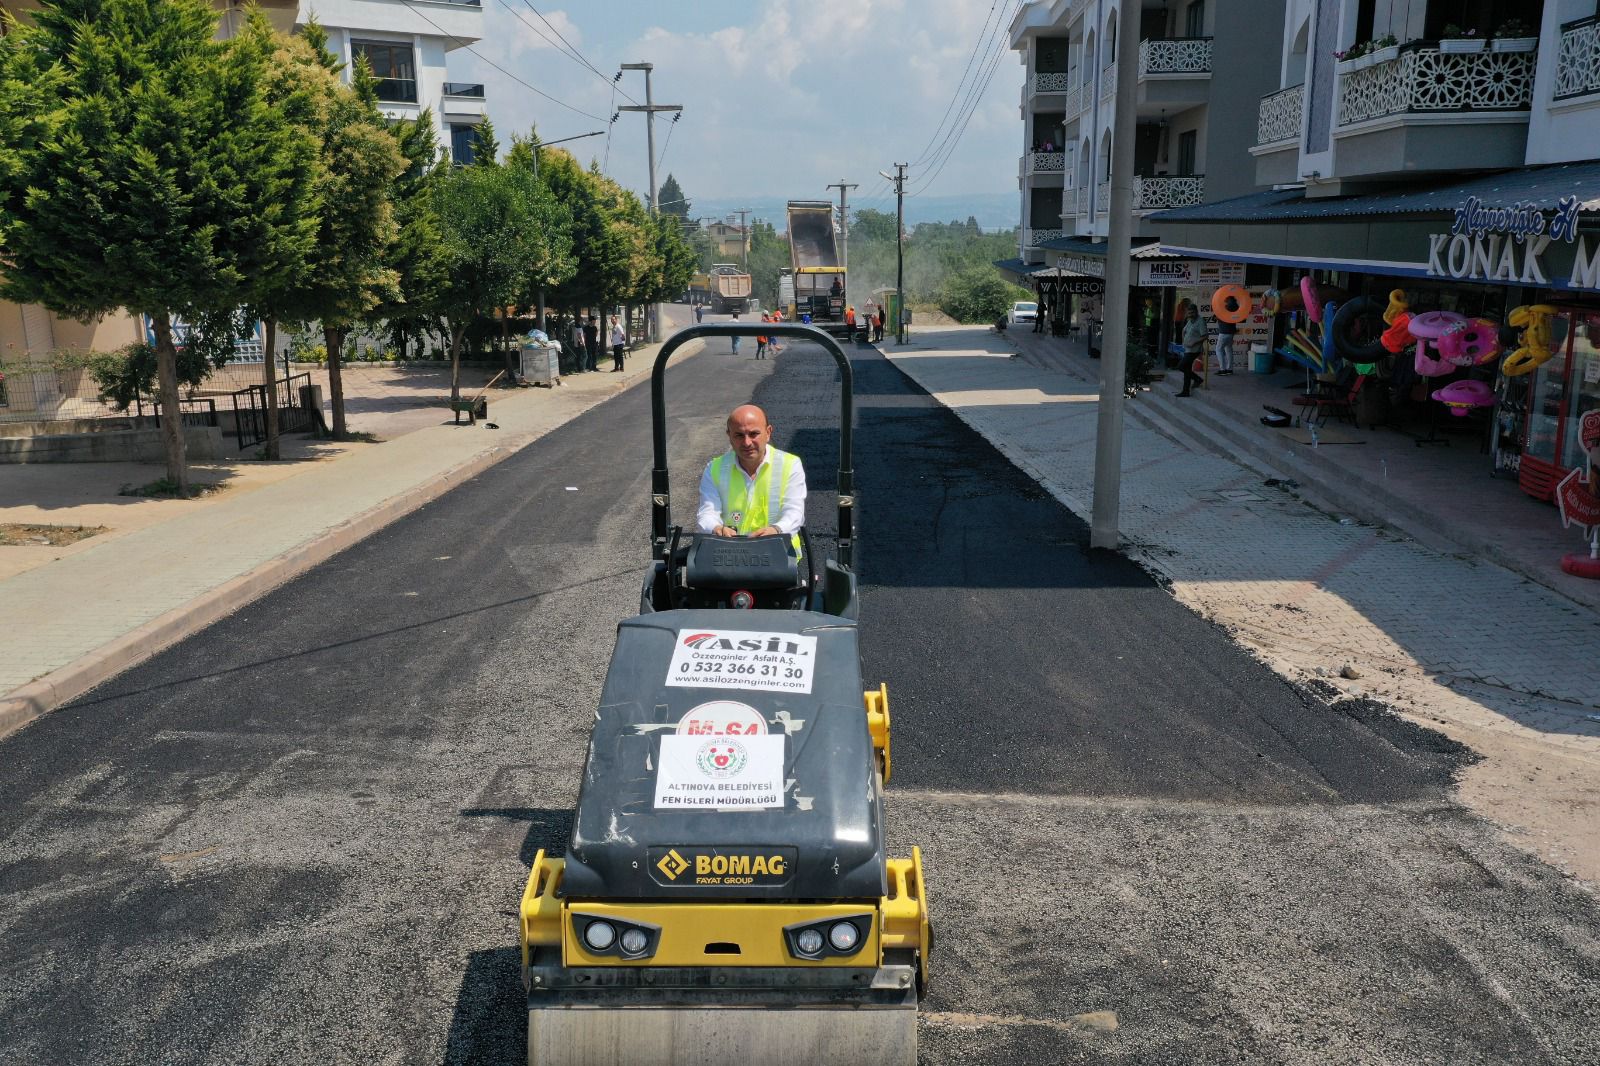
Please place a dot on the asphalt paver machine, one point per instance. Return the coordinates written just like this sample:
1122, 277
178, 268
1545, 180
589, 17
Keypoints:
726, 896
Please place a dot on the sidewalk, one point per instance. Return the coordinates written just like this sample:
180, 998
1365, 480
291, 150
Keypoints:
167, 568
1460, 644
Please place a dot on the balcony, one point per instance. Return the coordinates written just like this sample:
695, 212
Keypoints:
1043, 163
1279, 121
1108, 84
1163, 191
1102, 198
1047, 81
1410, 114
464, 90
1175, 56
1078, 101
1578, 59
1082, 205
1033, 237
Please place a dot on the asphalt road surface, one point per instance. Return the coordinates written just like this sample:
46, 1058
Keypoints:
300, 836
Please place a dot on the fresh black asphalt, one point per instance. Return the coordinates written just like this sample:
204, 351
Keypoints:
300, 836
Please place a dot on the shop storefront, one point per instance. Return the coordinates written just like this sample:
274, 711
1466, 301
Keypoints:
1472, 304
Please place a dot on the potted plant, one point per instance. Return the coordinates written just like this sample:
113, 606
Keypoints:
1384, 48
1351, 58
1514, 35
1460, 41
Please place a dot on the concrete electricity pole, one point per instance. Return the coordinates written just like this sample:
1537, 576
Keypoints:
844, 225
1119, 265
899, 179
744, 237
650, 107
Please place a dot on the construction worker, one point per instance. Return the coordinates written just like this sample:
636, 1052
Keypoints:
752, 489
850, 318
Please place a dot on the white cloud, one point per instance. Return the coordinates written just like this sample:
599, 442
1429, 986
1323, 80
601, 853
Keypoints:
790, 96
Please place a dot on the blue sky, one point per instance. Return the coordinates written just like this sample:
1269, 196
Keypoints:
780, 97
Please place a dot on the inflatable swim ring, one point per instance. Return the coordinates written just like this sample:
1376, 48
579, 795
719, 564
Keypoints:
1462, 396
1345, 327
1477, 341
1428, 327
1535, 348
1398, 305
1231, 303
1308, 293
1270, 301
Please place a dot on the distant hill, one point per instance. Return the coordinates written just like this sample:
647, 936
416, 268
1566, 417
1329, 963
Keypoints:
994, 211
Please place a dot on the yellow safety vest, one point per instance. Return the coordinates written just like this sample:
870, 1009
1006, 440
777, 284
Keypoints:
747, 512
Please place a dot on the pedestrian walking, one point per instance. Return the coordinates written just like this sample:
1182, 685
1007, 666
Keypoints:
761, 340
619, 345
699, 313
772, 342
1194, 348
591, 344
735, 337
1040, 313
1225, 334
877, 325
578, 349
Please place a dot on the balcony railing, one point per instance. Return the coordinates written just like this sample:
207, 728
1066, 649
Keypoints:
1082, 205
1102, 198
1175, 55
461, 88
1162, 192
1578, 58
1108, 84
1430, 81
1044, 162
1035, 237
1073, 103
397, 90
1280, 115
1050, 82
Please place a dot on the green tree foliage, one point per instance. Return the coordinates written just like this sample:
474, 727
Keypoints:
978, 294
415, 255
496, 225
486, 148
672, 201
142, 167
934, 253
769, 256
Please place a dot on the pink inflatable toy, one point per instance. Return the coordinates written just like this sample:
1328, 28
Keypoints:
1308, 292
1462, 396
1428, 327
1477, 341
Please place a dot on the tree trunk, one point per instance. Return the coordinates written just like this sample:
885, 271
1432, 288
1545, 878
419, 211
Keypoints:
171, 412
333, 338
455, 362
505, 348
270, 383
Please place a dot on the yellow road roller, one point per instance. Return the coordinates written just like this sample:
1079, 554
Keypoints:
726, 896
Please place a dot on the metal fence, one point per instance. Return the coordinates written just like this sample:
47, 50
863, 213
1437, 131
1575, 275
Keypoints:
249, 410
33, 393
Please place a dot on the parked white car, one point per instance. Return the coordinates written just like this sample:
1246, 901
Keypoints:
1024, 311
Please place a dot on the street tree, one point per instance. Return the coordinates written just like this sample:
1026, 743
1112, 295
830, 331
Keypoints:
672, 201
602, 250
414, 256
348, 273
486, 144
496, 224
142, 167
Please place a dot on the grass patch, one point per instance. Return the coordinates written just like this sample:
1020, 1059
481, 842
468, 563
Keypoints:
167, 489
42, 536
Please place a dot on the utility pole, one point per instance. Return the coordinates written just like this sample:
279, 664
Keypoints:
844, 225
1119, 265
899, 179
744, 236
649, 107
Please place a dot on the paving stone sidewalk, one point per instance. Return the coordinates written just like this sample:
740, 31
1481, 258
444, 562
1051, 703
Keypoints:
111, 604
1304, 587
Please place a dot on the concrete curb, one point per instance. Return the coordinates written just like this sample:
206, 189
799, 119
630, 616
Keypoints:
28, 702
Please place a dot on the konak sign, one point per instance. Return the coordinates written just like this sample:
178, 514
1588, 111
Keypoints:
1520, 245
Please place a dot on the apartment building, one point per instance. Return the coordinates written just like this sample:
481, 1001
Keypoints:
1186, 117
407, 43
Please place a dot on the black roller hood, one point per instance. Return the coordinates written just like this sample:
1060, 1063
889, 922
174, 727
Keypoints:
824, 839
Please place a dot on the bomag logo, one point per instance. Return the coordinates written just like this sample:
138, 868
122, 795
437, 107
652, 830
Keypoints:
672, 864
739, 865
717, 642
727, 558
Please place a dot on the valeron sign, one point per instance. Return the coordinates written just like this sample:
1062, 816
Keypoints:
1509, 244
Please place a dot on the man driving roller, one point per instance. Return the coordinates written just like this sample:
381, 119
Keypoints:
752, 489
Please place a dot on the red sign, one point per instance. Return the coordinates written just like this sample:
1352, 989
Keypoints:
1579, 506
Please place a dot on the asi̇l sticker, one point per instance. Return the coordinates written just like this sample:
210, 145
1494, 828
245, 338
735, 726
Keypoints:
733, 658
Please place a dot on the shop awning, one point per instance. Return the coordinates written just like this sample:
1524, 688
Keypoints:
1447, 230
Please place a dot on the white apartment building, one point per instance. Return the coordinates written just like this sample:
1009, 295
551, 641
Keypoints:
1067, 49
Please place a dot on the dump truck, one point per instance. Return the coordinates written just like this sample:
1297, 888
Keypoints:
820, 295
699, 291
726, 896
730, 289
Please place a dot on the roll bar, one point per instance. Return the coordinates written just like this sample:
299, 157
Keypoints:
660, 482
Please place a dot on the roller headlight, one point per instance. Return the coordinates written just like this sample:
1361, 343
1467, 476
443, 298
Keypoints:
634, 941
808, 941
599, 936
844, 937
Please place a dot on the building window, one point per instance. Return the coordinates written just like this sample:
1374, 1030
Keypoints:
1187, 142
463, 145
1194, 19
393, 65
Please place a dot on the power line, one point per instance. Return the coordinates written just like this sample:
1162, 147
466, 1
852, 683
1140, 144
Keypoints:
662, 158
565, 47
497, 66
977, 46
954, 135
992, 52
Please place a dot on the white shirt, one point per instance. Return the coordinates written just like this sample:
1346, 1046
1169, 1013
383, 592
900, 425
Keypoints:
618, 336
790, 517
